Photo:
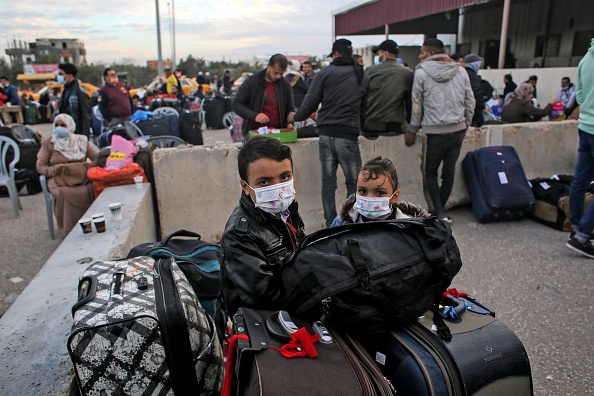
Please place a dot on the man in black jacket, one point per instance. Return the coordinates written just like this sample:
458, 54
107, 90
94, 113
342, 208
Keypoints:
341, 89
264, 229
472, 64
265, 98
74, 101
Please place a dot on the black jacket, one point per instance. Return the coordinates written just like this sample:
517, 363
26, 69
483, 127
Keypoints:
82, 118
249, 101
475, 83
256, 245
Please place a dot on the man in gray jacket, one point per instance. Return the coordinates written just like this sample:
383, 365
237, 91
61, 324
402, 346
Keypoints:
341, 89
388, 100
443, 104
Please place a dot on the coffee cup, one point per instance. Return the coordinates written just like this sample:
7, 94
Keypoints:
100, 224
116, 210
138, 180
86, 225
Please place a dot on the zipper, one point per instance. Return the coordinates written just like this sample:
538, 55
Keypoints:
366, 387
419, 361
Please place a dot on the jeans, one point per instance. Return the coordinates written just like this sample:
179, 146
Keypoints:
334, 151
441, 148
582, 177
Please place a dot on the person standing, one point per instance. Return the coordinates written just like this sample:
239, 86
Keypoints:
341, 89
388, 99
472, 64
74, 101
583, 223
115, 103
227, 82
308, 72
443, 104
265, 99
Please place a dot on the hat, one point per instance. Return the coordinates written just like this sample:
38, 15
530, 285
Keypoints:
471, 58
388, 45
339, 45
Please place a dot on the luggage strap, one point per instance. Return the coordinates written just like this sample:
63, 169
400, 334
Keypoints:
230, 364
362, 271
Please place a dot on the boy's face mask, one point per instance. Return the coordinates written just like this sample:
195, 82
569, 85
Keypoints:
276, 198
374, 208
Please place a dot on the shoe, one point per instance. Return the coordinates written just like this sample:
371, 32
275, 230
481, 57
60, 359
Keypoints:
585, 249
447, 219
572, 234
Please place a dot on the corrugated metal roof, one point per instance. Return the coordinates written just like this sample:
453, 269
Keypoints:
365, 15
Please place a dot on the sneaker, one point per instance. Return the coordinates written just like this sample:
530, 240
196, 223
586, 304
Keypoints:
447, 219
572, 234
585, 249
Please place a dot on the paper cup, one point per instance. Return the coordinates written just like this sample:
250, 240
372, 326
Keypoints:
97, 215
138, 180
116, 210
100, 224
86, 225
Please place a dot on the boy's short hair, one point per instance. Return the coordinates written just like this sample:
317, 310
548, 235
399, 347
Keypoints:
68, 68
378, 166
261, 147
434, 45
279, 60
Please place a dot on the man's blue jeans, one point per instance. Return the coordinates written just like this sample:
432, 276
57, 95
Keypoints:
334, 151
582, 177
441, 148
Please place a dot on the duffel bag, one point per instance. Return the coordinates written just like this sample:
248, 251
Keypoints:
372, 276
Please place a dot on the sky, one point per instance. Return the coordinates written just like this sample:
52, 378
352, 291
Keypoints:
212, 29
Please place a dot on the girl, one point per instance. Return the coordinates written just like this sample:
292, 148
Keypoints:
377, 196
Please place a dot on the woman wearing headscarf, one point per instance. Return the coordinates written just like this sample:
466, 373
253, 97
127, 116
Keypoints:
518, 107
298, 85
69, 203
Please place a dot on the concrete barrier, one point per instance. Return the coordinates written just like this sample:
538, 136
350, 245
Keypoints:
198, 187
33, 354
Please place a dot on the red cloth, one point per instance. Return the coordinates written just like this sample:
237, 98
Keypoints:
301, 345
271, 105
102, 178
454, 293
230, 364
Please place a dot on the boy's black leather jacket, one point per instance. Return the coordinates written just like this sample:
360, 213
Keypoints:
256, 245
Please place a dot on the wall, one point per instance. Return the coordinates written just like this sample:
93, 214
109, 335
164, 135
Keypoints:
204, 188
34, 331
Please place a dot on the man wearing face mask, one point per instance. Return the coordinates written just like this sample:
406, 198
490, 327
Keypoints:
388, 100
115, 103
567, 95
264, 229
74, 101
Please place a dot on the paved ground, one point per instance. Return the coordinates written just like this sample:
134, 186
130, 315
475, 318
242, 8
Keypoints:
538, 288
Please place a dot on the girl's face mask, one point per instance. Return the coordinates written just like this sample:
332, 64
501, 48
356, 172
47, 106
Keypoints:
276, 198
373, 208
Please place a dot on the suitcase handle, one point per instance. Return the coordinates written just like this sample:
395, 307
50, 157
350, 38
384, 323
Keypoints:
87, 287
184, 233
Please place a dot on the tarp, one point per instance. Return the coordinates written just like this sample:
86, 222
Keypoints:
37, 76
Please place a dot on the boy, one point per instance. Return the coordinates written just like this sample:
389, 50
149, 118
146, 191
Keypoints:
263, 230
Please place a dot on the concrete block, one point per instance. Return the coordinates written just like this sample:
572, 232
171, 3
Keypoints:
33, 333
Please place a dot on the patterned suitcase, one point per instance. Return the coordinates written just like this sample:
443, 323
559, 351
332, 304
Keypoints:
140, 330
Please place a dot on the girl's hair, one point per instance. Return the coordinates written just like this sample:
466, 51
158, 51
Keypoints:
378, 166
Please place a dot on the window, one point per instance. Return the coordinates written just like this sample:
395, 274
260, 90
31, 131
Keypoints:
552, 46
64, 45
581, 43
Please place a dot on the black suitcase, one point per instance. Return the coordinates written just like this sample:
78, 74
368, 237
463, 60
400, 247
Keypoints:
484, 357
497, 184
166, 125
214, 110
139, 329
259, 363
190, 127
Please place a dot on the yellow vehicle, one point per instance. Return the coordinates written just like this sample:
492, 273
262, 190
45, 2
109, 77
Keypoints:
87, 88
188, 85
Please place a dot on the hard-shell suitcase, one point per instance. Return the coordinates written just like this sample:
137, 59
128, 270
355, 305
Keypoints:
214, 108
497, 184
484, 357
140, 330
261, 362
191, 128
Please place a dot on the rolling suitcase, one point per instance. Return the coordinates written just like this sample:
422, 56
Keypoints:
214, 108
265, 359
191, 128
497, 184
139, 329
484, 357
165, 125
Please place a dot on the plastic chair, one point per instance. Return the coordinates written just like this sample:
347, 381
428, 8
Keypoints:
165, 141
228, 119
7, 178
165, 111
47, 195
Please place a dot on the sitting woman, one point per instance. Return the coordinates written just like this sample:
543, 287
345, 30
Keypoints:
377, 196
518, 107
69, 203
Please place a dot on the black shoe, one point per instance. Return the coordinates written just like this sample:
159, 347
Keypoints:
585, 249
572, 234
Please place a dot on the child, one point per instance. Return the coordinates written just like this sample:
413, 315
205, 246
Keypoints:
377, 196
263, 230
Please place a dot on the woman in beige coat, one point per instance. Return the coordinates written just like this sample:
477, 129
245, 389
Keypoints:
69, 203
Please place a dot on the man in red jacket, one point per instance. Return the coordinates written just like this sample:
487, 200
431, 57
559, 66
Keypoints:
115, 103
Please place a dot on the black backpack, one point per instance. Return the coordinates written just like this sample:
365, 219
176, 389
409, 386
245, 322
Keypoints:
372, 276
199, 261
